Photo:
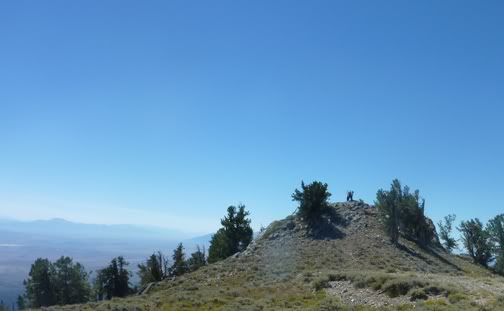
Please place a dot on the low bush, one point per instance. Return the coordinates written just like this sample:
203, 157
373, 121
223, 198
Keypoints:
456, 297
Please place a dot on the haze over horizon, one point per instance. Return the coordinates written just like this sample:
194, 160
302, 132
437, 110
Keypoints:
166, 114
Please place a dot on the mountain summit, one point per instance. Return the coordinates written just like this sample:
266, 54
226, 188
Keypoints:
344, 260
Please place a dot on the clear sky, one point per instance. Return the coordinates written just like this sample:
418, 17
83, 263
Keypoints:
166, 112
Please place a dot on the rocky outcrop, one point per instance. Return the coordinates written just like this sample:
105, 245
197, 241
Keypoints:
432, 228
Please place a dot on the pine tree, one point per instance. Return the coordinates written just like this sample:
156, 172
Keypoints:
70, 282
197, 259
495, 229
445, 230
21, 305
154, 269
234, 236
62, 282
219, 246
237, 228
39, 286
113, 281
179, 265
313, 201
387, 203
404, 212
499, 263
476, 241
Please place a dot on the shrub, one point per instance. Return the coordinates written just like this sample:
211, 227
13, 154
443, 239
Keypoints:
419, 294
321, 283
456, 297
401, 287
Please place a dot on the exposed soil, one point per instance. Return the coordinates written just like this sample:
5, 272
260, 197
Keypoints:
352, 296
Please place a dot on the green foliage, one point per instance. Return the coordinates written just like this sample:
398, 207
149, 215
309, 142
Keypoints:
21, 305
154, 269
237, 228
40, 285
445, 230
403, 211
70, 282
321, 283
495, 228
499, 264
113, 281
197, 259
179, 265
387, 203
234, 236
62, 282
219, 247
313, 201
476, 241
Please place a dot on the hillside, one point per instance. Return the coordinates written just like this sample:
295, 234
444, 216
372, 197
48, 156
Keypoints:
347, 261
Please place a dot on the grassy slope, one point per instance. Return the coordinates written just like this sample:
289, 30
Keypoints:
287, 269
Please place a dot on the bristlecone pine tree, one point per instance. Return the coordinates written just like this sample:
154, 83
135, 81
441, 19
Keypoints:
197, 259
234, 236
113, 281
495, 228
387, 203
313, 201
179, 265
445, 230
403, 211
476, 241
154, 269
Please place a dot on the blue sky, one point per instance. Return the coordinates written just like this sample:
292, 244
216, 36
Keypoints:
166, 112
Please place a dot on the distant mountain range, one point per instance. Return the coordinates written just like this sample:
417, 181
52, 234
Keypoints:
61, 227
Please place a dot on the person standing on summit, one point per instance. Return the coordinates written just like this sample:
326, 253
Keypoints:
349, 196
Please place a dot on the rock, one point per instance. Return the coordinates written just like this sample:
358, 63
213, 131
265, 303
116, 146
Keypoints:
432, 228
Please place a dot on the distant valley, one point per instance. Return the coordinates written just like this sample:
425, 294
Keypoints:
92, 245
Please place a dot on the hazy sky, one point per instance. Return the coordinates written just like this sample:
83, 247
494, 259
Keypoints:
166, 112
